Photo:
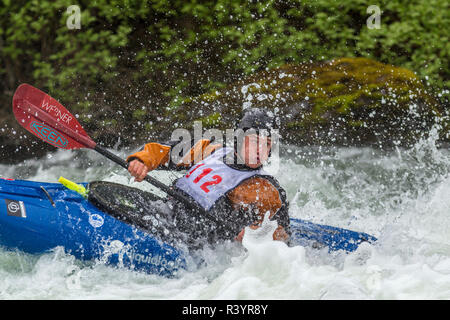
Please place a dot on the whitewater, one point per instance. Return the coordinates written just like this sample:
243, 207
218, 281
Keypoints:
401, 196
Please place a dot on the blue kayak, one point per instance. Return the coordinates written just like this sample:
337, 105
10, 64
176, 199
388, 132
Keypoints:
36, 217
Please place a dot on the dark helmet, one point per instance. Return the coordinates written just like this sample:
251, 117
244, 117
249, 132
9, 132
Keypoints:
258, 119
262, 121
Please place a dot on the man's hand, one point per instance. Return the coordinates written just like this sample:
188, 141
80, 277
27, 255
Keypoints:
138, 170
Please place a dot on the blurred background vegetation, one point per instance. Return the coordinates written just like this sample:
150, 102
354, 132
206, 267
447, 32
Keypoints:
132, 61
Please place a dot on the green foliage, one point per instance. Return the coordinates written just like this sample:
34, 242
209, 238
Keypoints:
134, 55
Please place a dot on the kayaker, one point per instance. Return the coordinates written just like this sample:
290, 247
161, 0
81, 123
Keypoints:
228, 182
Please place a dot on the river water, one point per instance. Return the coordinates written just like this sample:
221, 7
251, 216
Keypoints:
402, 197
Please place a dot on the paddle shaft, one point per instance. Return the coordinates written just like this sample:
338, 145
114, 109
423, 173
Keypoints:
178, 196
186, 201
124, 164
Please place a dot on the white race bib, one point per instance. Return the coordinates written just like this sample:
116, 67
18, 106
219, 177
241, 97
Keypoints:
211, 178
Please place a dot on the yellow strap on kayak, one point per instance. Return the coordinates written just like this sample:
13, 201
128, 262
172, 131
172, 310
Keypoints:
73, 186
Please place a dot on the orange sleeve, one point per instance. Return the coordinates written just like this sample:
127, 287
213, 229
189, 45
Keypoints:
153, 155
202, 149
259, 193
262, 196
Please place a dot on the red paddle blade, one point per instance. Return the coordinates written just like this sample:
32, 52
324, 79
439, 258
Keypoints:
47, 119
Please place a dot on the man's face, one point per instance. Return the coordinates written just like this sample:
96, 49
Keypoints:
255, 150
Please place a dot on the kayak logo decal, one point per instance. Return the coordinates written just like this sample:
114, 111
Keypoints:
15, 208
49, 135
96, 220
